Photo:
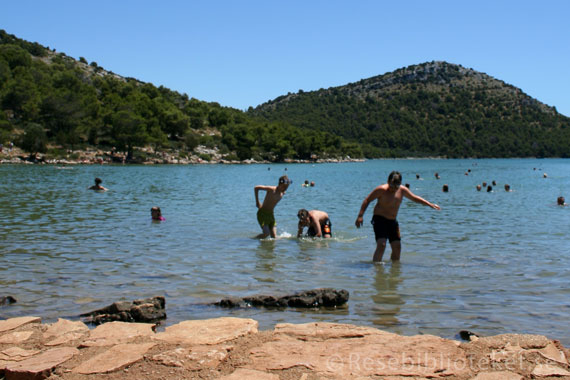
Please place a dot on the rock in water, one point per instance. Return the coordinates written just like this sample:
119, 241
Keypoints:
316, 298
148, 310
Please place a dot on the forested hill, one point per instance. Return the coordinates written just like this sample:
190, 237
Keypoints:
431, 109
51, 102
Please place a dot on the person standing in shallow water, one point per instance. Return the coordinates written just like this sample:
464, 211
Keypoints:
389, 197
265, 216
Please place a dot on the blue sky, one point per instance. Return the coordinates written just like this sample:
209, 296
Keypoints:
244, 53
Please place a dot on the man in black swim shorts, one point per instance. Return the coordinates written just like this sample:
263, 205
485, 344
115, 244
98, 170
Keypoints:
389, 197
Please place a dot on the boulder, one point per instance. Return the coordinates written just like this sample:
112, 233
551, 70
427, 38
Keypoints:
7, 300
316, 298
148, 310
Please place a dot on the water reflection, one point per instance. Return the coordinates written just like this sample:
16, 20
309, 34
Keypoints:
265, 255
387, 299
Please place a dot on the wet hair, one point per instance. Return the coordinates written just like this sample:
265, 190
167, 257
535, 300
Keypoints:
156, 208
395, 177
560, 201
507, 187
284, 180
445, 188
302, 214
98, 180
489, 188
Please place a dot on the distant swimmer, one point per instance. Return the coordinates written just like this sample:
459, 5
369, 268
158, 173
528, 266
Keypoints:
507, 187
489, 188
273, 195
156, 214
318, 223
97, 186
478, 187
306, 183
560, 201
445, 188
389, 197
437, 176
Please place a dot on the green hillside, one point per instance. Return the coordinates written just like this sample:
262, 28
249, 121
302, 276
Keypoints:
431, 109
51, 102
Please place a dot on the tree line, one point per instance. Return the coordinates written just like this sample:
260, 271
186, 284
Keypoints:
51, 100
429, 110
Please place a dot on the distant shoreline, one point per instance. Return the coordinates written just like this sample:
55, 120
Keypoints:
203, 156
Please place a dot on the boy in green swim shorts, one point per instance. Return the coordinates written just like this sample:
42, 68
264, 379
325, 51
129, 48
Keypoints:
265, 215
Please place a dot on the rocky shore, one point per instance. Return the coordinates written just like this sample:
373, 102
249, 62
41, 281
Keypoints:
147, 156
234, 349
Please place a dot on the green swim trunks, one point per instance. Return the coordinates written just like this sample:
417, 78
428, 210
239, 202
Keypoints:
265, 218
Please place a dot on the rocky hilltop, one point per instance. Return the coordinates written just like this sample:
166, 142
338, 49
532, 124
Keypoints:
430, 109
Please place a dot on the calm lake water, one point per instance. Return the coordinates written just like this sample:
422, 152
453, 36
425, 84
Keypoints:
492, 263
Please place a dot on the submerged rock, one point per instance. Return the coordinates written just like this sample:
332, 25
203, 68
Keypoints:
7, 300
323, 297
148, 310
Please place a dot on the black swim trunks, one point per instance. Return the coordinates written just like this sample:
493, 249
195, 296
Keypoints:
326, 229
385, 228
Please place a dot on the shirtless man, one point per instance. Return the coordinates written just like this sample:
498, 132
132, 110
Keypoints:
318, 222
273, 195
97, 186
389, 196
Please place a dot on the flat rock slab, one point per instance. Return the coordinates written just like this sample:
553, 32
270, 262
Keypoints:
524, 341
373, 354
113, 333
325, 330
552, 352
40, 366
209, 331
16, 337
14, 323
194, 358
498, 375
249, 374
547, 370
63, 326
114, 359
17, 354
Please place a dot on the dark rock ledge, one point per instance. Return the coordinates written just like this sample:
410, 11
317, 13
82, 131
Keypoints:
316, 298
148, 310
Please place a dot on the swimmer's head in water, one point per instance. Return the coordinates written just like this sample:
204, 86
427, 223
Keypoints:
155, 212
98, 181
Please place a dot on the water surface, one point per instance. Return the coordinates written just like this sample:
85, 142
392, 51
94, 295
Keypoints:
492, 263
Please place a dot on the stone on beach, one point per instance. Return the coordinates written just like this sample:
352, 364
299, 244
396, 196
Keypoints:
209, 331
113, 333
114, 359
368, 353
40, 366
249, 374
233, 348
14, 323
